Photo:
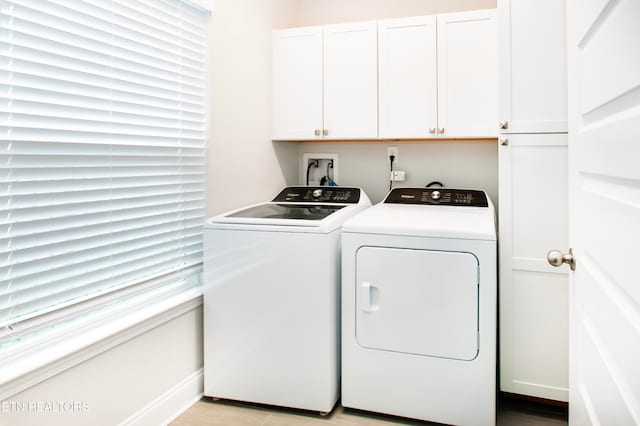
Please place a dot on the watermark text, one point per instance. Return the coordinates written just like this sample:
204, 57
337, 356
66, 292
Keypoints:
44, 406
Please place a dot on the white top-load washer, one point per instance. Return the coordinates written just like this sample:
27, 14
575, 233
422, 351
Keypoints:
419, 307
271, 298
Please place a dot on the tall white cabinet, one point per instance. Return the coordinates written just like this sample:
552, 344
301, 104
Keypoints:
534, 297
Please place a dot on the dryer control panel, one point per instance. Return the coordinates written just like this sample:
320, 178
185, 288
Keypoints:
438, 197
319, 194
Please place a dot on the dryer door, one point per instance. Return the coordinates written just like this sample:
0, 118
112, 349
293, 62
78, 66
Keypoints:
420, 302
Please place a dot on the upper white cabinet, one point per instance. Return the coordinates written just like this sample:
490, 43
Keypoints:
413, 78
350, 81
438, 76
324, 82
407, 80
296, 83
532, 66
467, 74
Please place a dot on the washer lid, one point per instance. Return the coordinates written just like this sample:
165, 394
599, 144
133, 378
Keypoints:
296, 209
287, 211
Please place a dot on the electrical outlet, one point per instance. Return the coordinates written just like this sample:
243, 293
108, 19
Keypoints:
392, 150
397, 176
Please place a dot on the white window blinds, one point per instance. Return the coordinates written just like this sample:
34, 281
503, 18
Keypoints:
103, 119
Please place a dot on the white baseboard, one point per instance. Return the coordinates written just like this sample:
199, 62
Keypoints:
168, 406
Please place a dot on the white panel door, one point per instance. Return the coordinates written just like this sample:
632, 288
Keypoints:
420, 302
467, 74
351, 81
407, 77
296, 87
534, 297
532, 71
604, 210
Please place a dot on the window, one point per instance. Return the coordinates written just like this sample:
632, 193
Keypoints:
103, 126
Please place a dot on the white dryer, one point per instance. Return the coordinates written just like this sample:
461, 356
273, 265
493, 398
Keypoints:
272, 298
419, 307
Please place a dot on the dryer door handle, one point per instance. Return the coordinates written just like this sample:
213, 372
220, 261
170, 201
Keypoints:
368, 297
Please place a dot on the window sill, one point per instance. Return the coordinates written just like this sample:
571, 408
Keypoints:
32, 364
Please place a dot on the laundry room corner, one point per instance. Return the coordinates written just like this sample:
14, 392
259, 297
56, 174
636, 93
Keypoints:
240, 153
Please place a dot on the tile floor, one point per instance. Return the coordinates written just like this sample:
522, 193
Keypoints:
230, 413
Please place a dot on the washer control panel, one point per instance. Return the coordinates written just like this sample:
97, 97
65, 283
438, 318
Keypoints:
319, 194
438, 197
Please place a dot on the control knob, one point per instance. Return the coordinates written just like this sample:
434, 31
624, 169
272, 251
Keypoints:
435, 195
317, 193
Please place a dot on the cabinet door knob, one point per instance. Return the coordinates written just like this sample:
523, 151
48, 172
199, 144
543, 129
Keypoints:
557, 258
440, 129
325, 132
504, 125
504, 141
317, 132
432, 130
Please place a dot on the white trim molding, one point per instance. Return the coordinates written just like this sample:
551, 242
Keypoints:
168, 406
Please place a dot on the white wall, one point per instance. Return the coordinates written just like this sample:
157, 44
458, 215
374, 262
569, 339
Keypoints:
462, 164
320, 12
244, 165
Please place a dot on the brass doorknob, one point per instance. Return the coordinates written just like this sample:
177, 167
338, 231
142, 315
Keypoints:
557, 258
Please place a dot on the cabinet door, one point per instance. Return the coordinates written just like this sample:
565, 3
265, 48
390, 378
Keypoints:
532, 66
351, 81
467, 74
296, 87
534, 297
407, 77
